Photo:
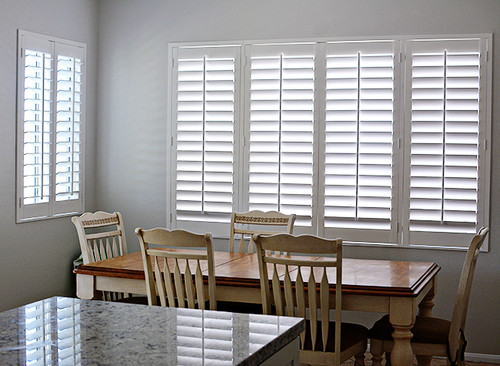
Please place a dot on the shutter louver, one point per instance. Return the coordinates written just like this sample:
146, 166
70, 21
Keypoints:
282, 130
445, 125
205, 134
359, 138
67, 178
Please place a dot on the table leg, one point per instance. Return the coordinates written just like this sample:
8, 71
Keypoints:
85, 285
402, 317
427, 304
424, 360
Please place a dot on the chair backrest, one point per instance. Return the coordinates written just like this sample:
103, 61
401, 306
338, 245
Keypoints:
174, 271
101, 235
292, 295
246, 224
463, 293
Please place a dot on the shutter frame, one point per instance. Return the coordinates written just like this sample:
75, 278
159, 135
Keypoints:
26, 211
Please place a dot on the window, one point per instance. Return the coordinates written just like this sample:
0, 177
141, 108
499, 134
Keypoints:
49, 127
448, 177
281, 121
206, 97
375, 141
359, 176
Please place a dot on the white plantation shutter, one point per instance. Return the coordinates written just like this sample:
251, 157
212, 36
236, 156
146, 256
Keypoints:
376, 141
447, 96
49, 127
205, 99
281, 118
359, 135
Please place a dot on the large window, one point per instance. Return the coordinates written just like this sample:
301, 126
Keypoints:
375, 141
50, 122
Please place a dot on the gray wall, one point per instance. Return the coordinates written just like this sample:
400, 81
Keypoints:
126, 152
131, 134
36, 258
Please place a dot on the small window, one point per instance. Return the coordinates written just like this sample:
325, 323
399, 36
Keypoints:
50, 123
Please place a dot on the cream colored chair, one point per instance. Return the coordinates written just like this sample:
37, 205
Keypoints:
102, 236
245, 224
434, 336
323, 342
175, 276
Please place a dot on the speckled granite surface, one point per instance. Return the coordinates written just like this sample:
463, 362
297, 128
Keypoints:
67, 331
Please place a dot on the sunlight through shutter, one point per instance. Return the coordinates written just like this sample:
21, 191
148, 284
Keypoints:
69, 70
37, 125
359, 137
282, 130
205, 100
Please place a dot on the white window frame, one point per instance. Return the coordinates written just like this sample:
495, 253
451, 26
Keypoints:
398, 236
52, 208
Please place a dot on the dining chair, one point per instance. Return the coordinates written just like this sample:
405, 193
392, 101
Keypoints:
174, 270
288, 292
246, 224
434, 336
102, 236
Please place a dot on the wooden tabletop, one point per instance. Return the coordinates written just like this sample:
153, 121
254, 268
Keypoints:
362, 276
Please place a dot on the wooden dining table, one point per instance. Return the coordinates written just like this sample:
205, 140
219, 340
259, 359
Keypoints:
400, 288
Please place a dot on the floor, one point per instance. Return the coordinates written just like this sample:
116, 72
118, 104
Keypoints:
435, 362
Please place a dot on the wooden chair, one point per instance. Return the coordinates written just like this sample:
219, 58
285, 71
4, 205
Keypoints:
102, 236
434, 336
176, 275
246, 224
323, 342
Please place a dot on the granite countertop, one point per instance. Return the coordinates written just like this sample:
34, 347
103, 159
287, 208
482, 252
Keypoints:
67, 331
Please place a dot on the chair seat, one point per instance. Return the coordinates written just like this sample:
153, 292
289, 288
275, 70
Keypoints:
350, 334
141, 300
239, 307
426, 330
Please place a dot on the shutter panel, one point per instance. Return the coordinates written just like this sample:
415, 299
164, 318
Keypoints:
359, 140
68, 127
205, 103
49, 126
444, 152
37, 112
282, 130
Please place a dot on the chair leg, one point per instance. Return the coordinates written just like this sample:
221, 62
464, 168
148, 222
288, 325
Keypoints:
424, 360
388, 359
359, 359
376, 349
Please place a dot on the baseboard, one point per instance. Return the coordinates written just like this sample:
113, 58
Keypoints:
482, 357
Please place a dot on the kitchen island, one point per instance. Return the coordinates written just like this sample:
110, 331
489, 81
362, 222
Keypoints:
68, 331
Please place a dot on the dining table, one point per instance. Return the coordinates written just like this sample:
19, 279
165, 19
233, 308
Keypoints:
401, 289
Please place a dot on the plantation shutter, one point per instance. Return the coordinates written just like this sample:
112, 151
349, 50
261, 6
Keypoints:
359, 134
281, 115
205, 100
447, 129
50, 118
